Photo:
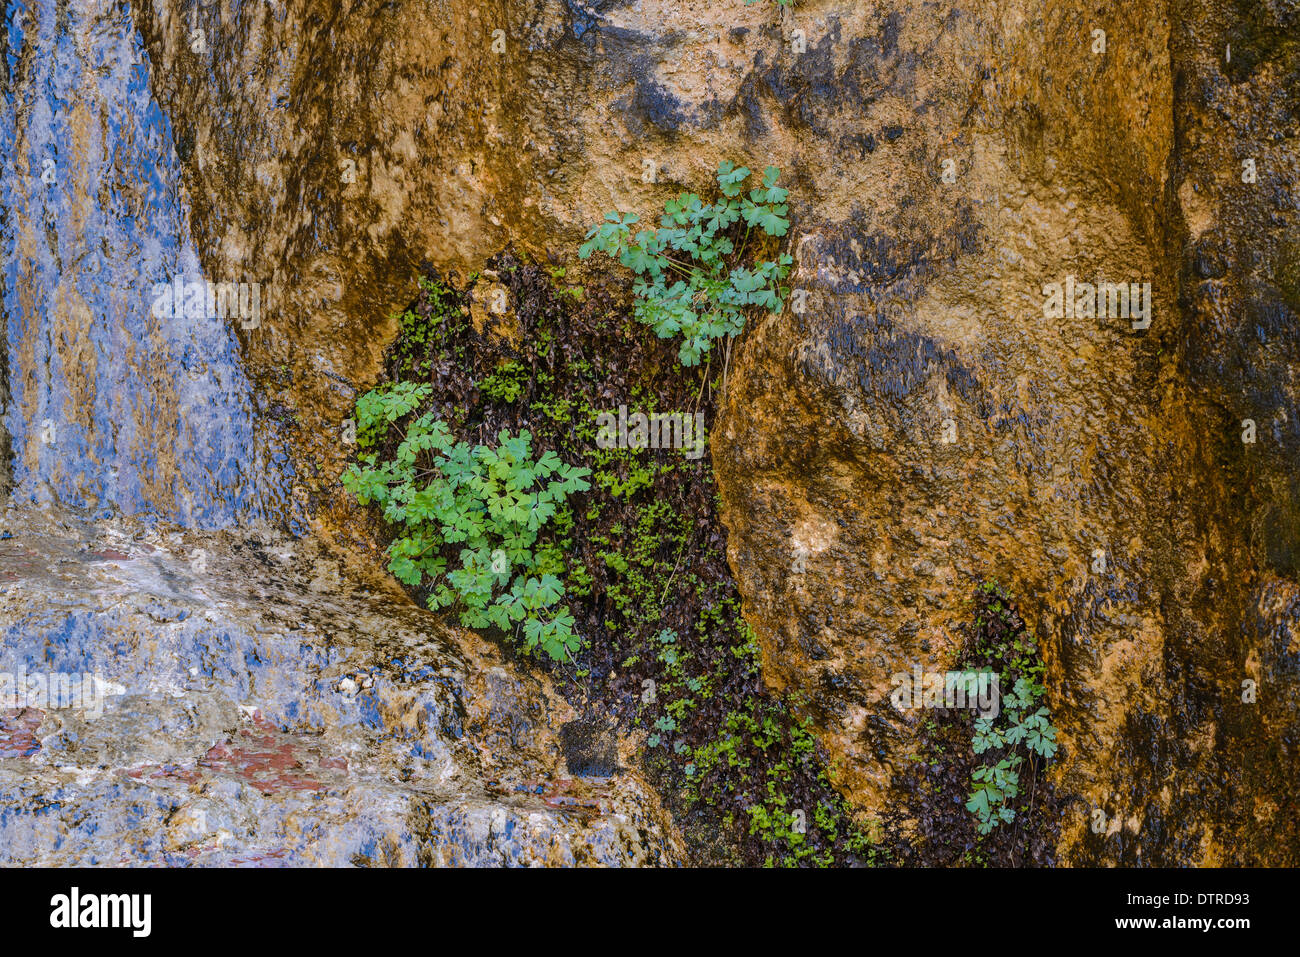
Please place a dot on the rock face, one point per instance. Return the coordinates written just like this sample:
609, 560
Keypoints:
112, 397
174, 694
244, 699
926, 421
1236, 180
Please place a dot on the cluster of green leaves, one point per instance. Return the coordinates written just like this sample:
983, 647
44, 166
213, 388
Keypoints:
1022, 722
622, 472
379, 409
768, 730
491, 502
996, 784
418, 330
634, 571
692, 278
506, 382
672, 659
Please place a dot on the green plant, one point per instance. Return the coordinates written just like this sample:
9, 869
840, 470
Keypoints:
692, 278
506, 382
380, 408
644, 571
762, 749
492, 502
997, 783
1001, 640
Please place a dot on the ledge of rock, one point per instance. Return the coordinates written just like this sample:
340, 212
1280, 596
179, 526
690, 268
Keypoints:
249, 699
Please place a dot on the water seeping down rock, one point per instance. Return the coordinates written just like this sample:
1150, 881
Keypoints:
924, 422
187, 676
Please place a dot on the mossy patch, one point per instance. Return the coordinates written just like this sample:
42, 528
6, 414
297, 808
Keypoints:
642, 557
939, 775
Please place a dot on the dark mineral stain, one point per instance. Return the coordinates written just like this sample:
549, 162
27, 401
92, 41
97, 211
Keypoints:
590, 749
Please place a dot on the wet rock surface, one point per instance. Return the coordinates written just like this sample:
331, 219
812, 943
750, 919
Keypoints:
920, 425
238, 697
113, 399
1074, 436
255, 703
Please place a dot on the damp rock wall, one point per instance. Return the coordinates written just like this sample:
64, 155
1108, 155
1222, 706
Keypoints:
926, 420
186, 675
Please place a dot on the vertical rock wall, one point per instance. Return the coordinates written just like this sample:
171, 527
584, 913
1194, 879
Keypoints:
924, 423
